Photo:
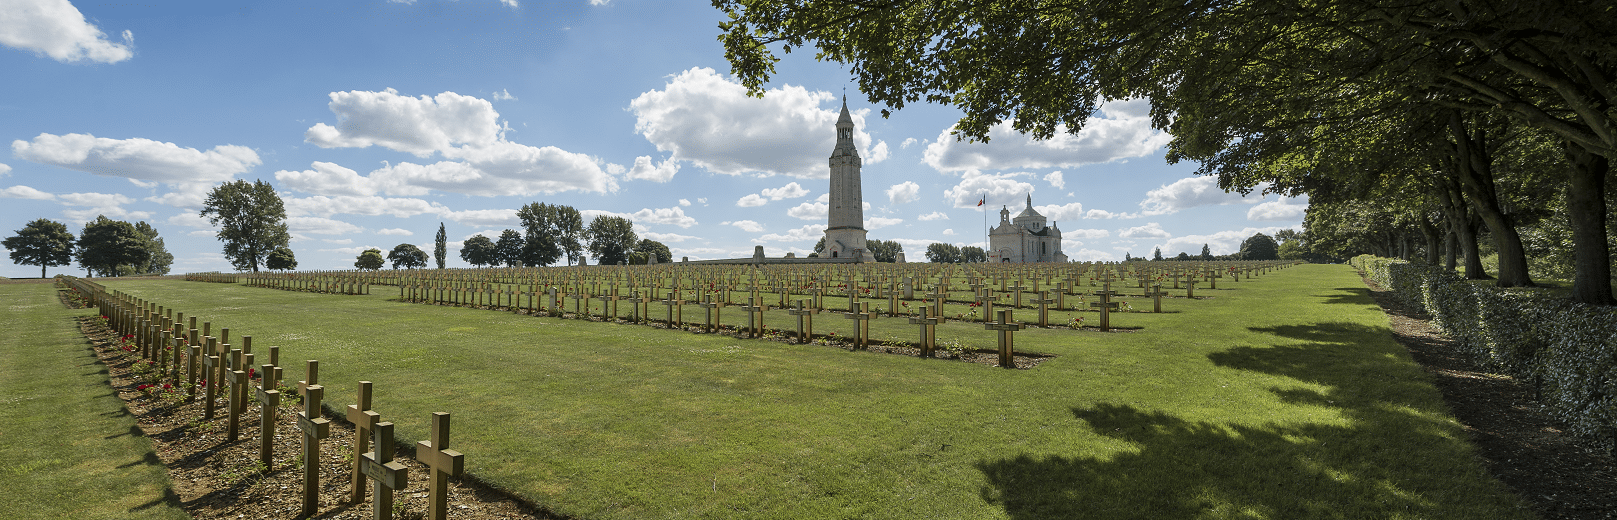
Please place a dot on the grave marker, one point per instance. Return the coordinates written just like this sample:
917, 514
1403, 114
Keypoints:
861, 332
441, 463
314, 429
269, 398
929, 331
1007, 329
805, 321
364, 420
385, 474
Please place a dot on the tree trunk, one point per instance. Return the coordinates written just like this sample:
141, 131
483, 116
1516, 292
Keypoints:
1460, 226
1430, 234
1586, 209
1476, 177
1451, 248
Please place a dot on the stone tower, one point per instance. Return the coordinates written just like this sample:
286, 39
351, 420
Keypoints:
845, 231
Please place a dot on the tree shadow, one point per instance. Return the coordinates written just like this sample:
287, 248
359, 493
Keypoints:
1370, 453
169, 499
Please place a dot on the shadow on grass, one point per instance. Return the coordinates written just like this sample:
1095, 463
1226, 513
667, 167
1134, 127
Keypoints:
1350, 295
169, 498
1367, 445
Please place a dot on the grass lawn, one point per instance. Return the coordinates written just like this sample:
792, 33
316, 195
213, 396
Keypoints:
1278, 397
68, 447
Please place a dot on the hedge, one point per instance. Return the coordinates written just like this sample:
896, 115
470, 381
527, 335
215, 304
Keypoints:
1567, 350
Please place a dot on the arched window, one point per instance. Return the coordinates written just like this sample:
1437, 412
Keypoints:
833, 254
1041, 248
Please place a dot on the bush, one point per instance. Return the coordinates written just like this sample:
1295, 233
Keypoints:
1567, 350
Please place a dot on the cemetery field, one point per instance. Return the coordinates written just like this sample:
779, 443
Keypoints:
68, 447
1282, 396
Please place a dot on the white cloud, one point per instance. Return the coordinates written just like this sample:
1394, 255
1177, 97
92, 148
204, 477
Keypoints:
323, 206
1086, 233
395, 231
1124, 133
811, 211
948, 232
97, 204
57, 29
685, 202
189, 195
338, 241
903, 193
709, 120
749, 226
326, 179
483, 217
1054, 178
320, 226
811, 232
1220, 243
4, 169
503, 94
137, 158
1091, 255
24, 192
1103, 214
907, 142
191, 220
459, 127
874, 223
665, 237
936, 215
644, 170
1001, 190
752, 200
671, 216
1058, 212
1277, 210
1189, 193
1149, 230
791, 190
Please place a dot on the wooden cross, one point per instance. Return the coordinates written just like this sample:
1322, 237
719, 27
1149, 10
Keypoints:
210, 380
191, 370
1016, 295
986, 299
1105, 305
385, 474
1156, 293
755, 315
441, 463
805, 321
634, 307
238, 394
1044, 302
364, 420
311, 373
711, 307
1190, 289
929, 331
861, 332
1007, 329
269, 399
314, 428
673, 305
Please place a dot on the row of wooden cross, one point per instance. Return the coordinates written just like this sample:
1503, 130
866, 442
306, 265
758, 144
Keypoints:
225, 369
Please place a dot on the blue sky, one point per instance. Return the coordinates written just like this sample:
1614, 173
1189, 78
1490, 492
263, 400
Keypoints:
377, 120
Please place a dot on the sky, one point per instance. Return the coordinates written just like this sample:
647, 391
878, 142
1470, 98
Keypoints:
377, 120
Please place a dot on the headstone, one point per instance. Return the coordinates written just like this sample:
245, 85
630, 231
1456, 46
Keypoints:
385, 474
441, 463
364, 421
1007, 329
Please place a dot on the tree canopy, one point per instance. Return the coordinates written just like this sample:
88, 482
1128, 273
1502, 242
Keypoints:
884, 250
508, 248
105, 244
479, 251
440, 246
281, 259
652, 247
611, 239
251, 220
370, 260
408, 256
938, 252
42, 242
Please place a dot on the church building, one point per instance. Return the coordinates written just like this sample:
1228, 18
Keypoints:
1025, 238
845, 230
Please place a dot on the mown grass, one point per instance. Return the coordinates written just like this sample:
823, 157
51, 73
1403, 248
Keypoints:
1280, 397
68, 447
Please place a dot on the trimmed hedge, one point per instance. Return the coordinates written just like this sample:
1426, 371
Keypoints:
1567, 350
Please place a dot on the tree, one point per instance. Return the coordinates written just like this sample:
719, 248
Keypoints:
281, 259
1207, 254
252, 221
611, 239
480, 251
938, 252
105, 244
1156, 255
43, 242
1260, 247
158, 259
973, 255
540, 247
819, 248
1183, 257
407, 255
884, 250
370, 260
440, 247
653, 247
570, 234
508, 249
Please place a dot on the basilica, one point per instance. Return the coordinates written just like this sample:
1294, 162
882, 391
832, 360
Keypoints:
1025, 238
